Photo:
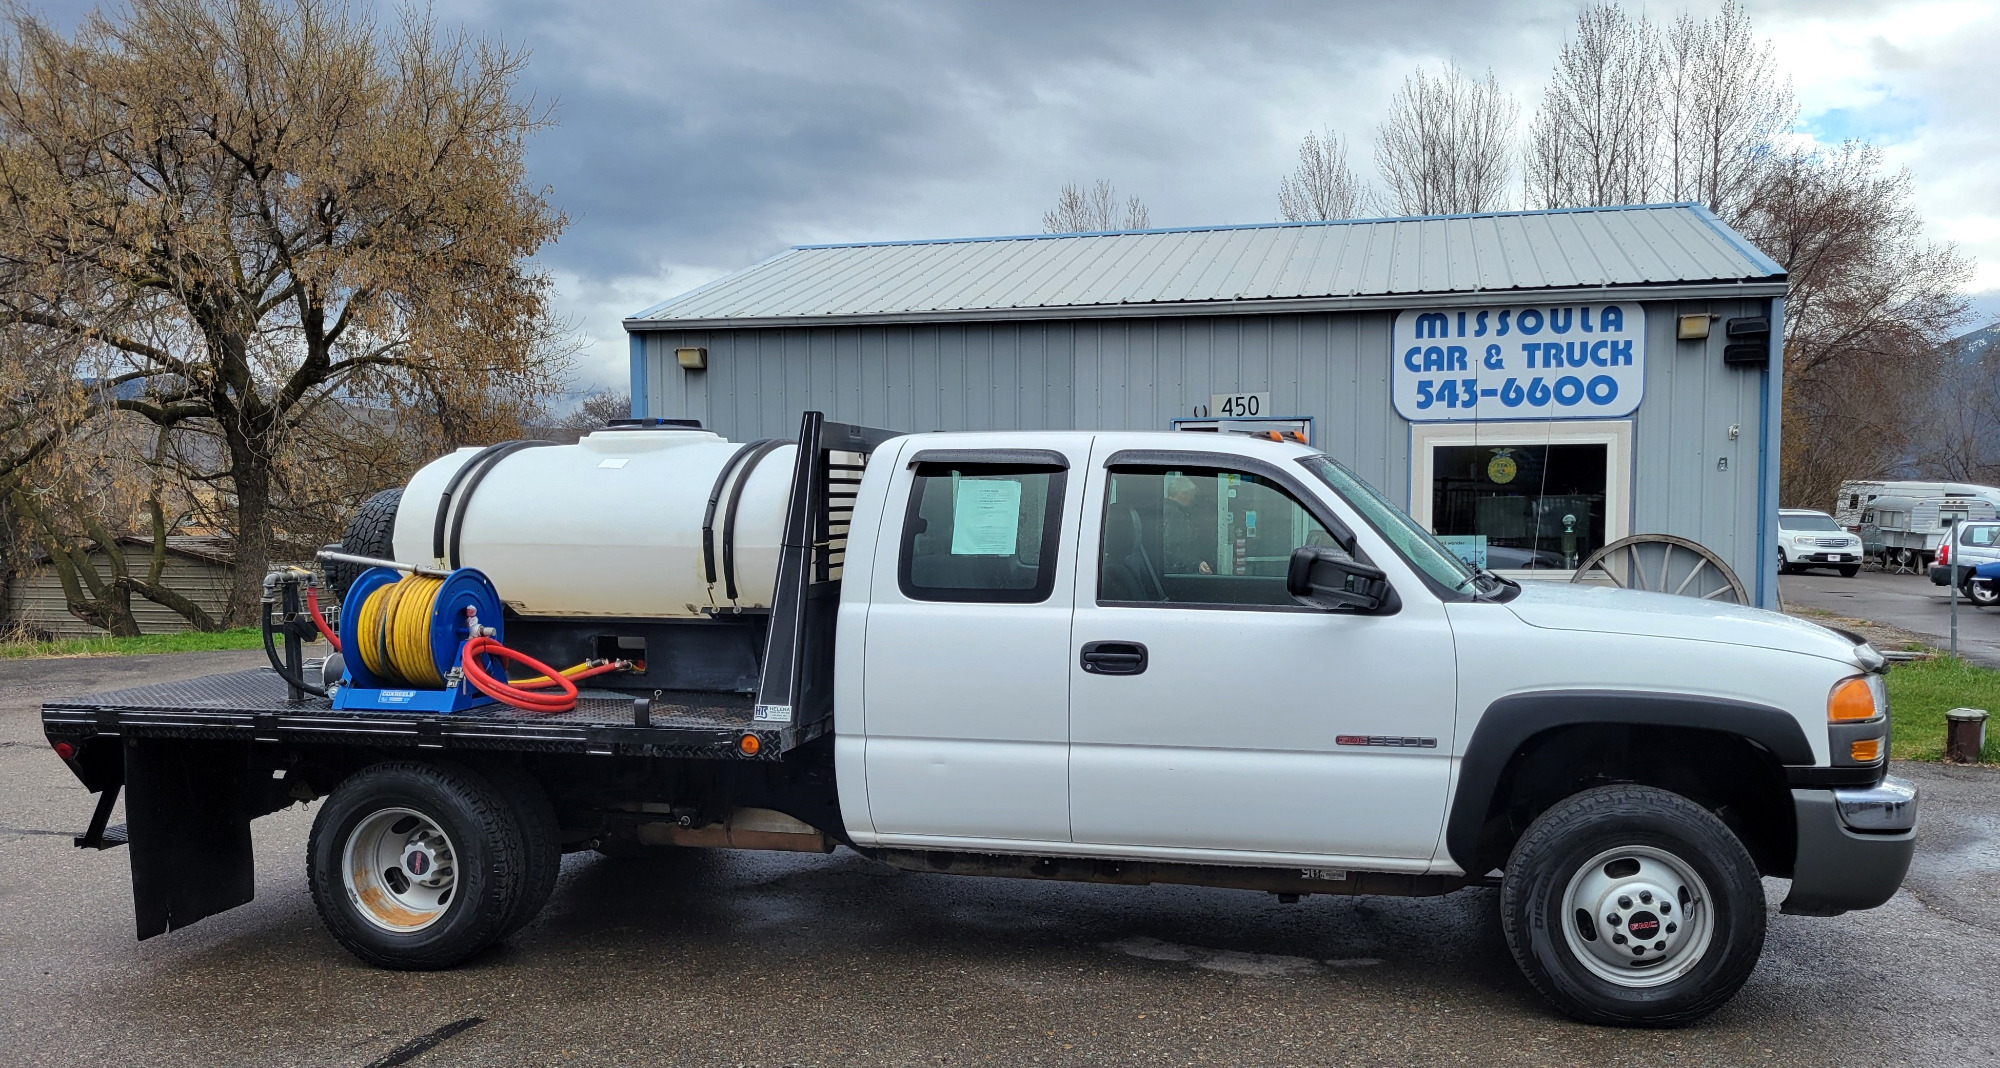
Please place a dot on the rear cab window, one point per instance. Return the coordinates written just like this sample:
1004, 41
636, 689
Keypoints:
981, 532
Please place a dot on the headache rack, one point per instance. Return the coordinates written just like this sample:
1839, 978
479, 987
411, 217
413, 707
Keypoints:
792, 705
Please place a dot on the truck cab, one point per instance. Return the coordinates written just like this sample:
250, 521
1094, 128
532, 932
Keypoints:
1092, 645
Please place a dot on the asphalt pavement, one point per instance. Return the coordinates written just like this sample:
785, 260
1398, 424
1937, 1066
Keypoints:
1909, 602
720, 958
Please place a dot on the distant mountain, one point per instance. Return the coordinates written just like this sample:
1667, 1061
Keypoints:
1973, 347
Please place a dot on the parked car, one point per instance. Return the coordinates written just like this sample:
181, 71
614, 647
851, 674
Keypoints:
1808, 539
1971, 545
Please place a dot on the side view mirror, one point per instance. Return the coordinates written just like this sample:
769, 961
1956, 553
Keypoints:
1330, 580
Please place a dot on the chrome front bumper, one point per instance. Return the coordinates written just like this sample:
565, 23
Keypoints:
1889, 807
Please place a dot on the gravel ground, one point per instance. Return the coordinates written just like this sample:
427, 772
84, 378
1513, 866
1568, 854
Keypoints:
716, 958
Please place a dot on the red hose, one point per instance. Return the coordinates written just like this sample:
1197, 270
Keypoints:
506, 693
312, 605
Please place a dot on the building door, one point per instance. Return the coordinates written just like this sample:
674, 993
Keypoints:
1252, 725
964, 681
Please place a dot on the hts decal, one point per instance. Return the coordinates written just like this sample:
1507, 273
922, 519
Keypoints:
1531, 361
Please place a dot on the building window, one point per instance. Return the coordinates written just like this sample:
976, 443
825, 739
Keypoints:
1200, 537
981, 532
1523, 497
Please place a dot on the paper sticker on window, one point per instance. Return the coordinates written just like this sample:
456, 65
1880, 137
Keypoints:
986, 517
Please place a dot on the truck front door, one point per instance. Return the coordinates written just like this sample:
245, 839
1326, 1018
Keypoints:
1238, 725
965, 664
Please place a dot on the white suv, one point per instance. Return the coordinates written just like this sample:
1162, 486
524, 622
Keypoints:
1812, 539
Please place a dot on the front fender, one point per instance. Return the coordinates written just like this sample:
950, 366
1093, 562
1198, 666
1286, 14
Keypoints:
1511, 721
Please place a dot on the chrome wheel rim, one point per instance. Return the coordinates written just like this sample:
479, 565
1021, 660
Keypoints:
1637, 916
400, 870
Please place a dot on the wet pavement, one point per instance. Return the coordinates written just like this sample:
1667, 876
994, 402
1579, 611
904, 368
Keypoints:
1908, 602
714, 958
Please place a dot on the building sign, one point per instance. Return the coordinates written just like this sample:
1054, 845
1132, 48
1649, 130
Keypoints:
1534, 361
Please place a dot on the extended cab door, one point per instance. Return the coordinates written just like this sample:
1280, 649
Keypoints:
1239, 725
965, 668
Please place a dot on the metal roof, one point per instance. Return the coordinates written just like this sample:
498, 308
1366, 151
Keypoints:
1659, 250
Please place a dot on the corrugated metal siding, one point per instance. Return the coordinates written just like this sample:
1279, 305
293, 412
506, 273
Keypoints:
1647, 245
1142, 372
1681, 430
36, 597
1110, 374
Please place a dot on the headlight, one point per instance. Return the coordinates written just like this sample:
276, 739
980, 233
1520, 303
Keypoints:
1852, 700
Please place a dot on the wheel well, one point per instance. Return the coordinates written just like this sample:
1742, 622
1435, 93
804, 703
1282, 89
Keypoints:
1731, 776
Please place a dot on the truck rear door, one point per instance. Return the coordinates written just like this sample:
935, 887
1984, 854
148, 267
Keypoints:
965, 666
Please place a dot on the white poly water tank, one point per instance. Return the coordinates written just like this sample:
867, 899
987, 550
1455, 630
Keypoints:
610, 526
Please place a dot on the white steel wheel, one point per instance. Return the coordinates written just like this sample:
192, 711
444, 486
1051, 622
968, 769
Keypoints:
420, 865
399, 869
1637, 916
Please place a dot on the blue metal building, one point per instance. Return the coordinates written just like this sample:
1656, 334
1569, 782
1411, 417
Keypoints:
1498, 374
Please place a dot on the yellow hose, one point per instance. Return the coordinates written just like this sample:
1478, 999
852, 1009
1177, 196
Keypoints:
394, 631
542, 680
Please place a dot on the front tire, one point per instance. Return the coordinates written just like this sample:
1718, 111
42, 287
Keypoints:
1604, 865
1981, 594
1849, 570
418, 866
1784, 565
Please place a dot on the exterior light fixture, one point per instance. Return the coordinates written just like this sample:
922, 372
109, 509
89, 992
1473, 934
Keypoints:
692, 359
1693, 327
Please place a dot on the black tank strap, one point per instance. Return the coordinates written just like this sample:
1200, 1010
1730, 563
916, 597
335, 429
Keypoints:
761, 450
715, 495
451, 520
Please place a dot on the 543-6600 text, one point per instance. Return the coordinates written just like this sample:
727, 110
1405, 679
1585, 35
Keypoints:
1567, 391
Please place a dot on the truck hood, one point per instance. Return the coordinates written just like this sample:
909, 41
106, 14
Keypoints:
1575, 606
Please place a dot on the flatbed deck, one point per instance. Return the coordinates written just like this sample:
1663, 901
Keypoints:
253, 705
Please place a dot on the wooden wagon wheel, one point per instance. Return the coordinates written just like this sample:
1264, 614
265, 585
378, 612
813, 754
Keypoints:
1648, 562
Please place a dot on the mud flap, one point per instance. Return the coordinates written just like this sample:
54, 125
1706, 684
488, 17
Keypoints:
188, 811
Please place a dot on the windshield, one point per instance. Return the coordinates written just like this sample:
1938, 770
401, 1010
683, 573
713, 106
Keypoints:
1415, 543
1814, 521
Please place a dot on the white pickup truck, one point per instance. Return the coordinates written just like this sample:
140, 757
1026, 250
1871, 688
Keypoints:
1119, 657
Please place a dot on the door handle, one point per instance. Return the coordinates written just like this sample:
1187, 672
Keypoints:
1113, 658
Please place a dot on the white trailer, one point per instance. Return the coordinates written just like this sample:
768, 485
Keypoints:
1856, 495
1904, 532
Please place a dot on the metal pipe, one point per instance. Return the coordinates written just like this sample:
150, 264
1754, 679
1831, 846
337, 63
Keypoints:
370, 561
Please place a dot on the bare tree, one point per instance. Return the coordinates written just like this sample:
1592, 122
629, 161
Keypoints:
595, 412
1869, 317
1595, 138
1447, 146
1093, 210
1323, 186
1724, 102
263, 205
1961, 425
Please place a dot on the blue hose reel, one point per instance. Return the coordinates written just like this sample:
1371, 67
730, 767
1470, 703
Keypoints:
449, 626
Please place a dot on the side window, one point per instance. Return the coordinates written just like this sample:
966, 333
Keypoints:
1200, 536
1983, 536
981, 532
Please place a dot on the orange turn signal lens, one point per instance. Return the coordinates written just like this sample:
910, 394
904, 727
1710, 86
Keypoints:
1866, 752
1851, 700
749, 745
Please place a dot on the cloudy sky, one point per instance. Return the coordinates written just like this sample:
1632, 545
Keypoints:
697, 137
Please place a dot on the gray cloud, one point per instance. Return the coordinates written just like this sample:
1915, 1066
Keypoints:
698, 137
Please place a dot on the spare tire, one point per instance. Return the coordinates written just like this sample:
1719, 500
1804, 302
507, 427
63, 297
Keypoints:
372, 532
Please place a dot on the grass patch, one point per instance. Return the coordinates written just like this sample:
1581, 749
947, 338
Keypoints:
1921, 692
186, 642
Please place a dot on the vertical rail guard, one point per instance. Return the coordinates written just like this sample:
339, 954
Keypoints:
784, 687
